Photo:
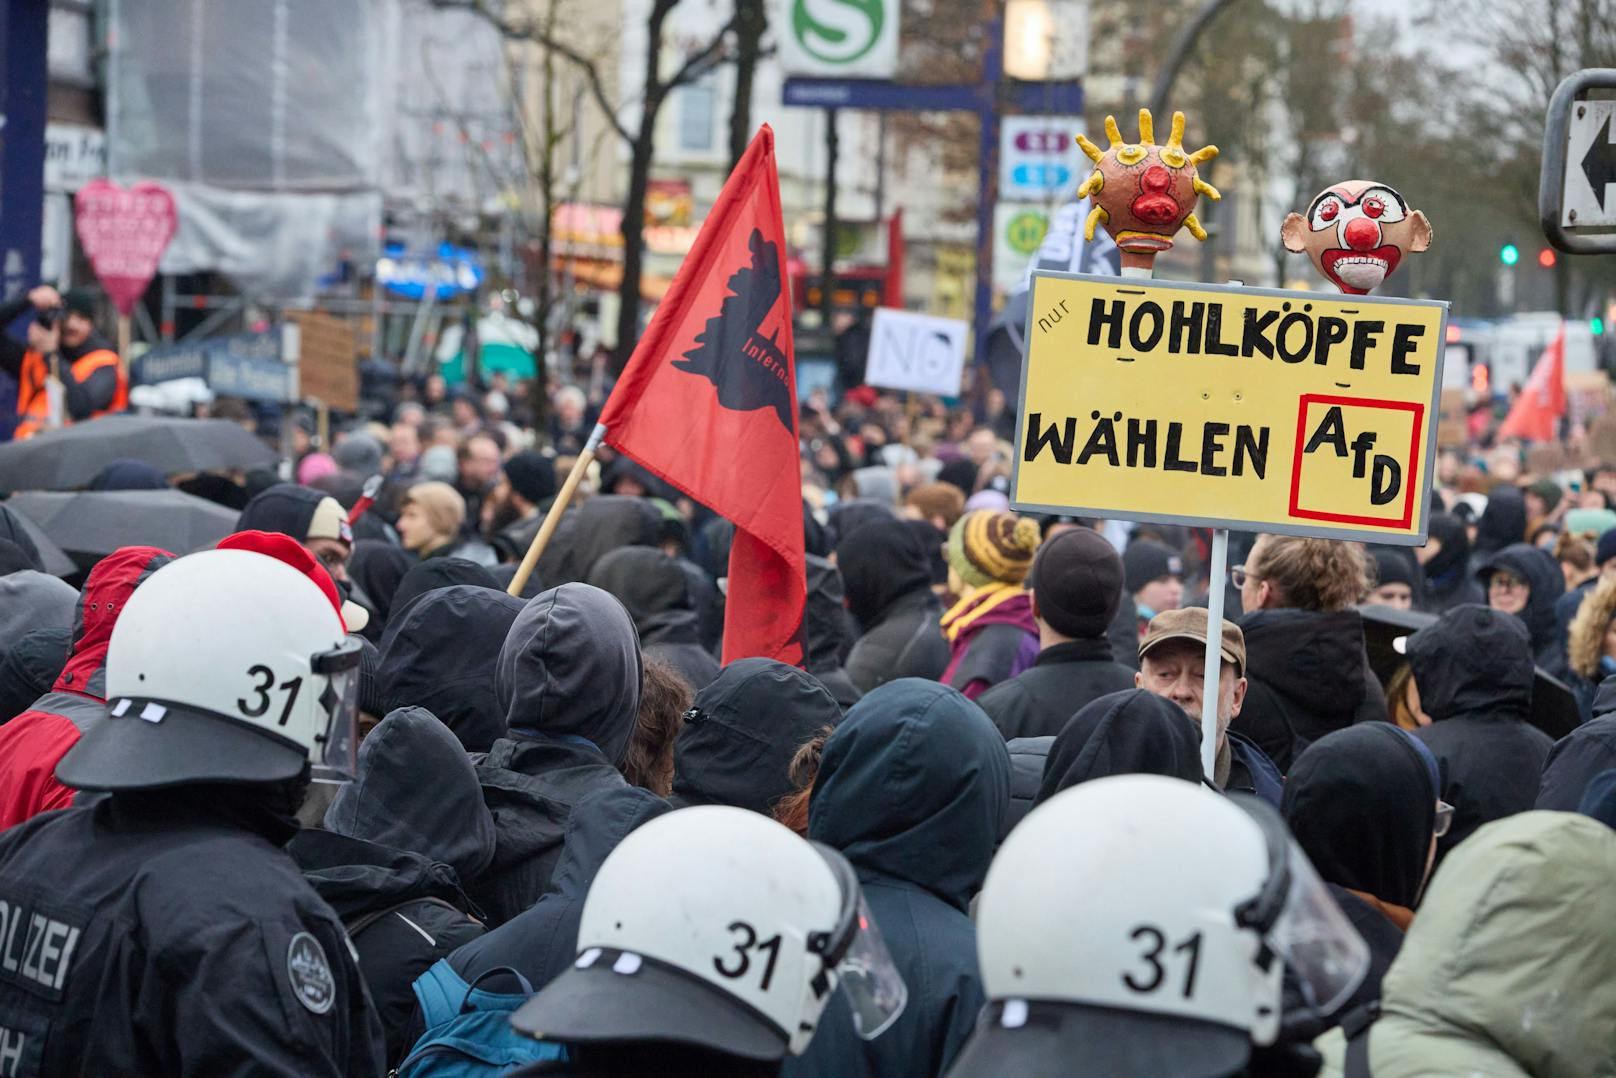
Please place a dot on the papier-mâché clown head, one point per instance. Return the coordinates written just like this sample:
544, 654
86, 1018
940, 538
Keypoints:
1356, 233
1144, 193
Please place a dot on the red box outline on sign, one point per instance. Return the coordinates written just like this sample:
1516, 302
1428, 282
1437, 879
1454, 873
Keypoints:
1407, 518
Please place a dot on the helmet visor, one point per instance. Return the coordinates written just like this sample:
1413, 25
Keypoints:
335, 757
1319, 945
875, 991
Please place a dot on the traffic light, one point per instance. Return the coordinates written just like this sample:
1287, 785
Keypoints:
1545, 258
1509, 254
1596, 324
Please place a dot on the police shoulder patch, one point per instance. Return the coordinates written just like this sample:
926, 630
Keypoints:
310, 973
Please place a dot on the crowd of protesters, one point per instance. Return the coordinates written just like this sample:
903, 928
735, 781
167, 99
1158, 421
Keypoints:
571, 842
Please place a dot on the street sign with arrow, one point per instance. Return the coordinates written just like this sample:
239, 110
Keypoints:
1577, 185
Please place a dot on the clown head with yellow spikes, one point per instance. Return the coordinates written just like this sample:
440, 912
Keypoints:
1144, 193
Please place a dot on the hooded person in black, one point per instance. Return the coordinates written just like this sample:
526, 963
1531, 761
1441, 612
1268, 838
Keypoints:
541, 941
1473, 673
391, 862
1542, 575
912, 789
829, 631
31, 666
440, 653
1502, 524
740, 735
435, 573
888, 580
1361, 803
1448, 582
593, 530
377, 567
1134, 732
654, 589
1579, 757
569, 679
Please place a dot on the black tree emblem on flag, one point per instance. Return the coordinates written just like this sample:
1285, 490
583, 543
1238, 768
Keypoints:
749, 370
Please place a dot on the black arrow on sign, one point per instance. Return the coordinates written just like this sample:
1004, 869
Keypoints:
1599, 164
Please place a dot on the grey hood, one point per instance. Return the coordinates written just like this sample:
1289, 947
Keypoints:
416, 791
32, 600
571, 667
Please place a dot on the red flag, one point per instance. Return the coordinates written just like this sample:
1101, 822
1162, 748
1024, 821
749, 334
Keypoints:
1536, 412
892, 288
708, 402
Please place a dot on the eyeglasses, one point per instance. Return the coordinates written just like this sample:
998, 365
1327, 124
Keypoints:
1239, 574
1505, 582
1444, 818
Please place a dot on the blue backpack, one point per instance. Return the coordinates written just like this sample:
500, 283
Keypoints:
468, 1030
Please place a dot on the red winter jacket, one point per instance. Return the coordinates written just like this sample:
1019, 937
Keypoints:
33, 742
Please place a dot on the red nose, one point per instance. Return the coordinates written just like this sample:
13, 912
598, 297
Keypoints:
1154, 205
1156, 179
1362, 234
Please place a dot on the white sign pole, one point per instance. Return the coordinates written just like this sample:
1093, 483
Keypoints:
1214, 652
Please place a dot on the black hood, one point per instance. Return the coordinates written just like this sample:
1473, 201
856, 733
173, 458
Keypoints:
435, 573
593, 530
378, 567
914, 785
1539, 569
654, 589
881, 562
1361, 802
739, 737
815, 539
1454, 557
830, 631
1474, 662
440, 654
1133, 732
848, 517
416, 791
1313, 658
931, 541
356, 877
570, 667
1503, 522
1605, 697
285, 508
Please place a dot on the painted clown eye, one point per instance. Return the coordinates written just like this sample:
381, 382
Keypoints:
1328, 211
1373, 207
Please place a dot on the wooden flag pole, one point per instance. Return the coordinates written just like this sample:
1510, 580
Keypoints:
553, 517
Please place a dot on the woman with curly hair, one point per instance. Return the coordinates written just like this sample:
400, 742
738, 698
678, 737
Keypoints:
1591, 643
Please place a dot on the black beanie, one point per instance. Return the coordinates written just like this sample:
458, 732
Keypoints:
1077, 583
532, 475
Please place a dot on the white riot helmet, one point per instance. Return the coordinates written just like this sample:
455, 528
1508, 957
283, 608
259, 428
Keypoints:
225, 666
717, 927
1140, 925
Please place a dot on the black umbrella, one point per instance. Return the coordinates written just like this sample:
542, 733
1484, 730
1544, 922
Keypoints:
52, 559
93, 523
1554, 705
69, 458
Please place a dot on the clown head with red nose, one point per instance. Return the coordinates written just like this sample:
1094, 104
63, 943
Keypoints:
1356, 233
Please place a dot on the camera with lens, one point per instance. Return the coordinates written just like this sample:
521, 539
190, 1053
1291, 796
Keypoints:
48, 318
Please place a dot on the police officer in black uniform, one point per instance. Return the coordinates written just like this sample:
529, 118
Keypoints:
163, 930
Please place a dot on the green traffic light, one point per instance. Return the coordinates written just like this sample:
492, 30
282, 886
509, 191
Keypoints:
1509, 254
1597, 325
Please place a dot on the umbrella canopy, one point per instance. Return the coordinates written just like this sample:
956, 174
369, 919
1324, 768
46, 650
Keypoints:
91, 524
69, 458
52, 558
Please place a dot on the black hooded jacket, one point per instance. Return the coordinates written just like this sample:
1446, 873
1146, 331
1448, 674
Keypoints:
1539, 569
829, 631
1502, 523
1473, 669
593, 530
885, 572
440, 652
1133, 732
1448, 580
541, 942
30, 667
1307, 674
1039, 702
738, 739
377, 567
435, 573
656, 592
569, 680
1580, 756
1361, 803
912, 789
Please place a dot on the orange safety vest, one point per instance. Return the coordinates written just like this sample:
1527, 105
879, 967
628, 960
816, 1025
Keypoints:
33, 404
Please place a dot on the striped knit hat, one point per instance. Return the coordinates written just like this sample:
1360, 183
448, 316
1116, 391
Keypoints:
988, 546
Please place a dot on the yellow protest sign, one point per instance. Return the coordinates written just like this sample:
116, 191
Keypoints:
1298, 413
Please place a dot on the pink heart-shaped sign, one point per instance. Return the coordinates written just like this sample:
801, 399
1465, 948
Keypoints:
125, 231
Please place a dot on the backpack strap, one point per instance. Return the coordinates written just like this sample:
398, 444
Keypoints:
465, 1002
359, 924
1355, 1026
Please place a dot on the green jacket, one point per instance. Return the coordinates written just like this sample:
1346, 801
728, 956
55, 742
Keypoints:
1509, 969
